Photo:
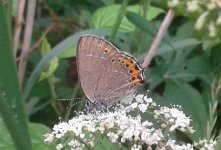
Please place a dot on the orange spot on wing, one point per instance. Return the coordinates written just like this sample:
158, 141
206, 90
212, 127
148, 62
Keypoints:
136, 81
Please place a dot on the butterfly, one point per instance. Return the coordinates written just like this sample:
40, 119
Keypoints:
106, 74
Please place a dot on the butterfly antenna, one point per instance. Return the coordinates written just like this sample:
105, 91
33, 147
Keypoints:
68, 99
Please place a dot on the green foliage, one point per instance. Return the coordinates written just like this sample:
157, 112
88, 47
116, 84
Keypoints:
11, 102
45, 48
36, 133
105, 17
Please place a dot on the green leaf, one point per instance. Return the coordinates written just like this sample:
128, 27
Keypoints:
177, 45
45, 46
11, 102
51, 69
45, 49
37, 132
141, 23
198, 66
69, 52
105, 17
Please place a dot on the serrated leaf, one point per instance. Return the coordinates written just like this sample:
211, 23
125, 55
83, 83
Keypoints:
105, 17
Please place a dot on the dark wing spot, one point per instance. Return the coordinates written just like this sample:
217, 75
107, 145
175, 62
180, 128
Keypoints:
133, 78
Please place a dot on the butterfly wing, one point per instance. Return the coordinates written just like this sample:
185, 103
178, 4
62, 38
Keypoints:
106, 75
91, 59
121, 77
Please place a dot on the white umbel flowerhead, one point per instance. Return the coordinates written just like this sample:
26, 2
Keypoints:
124, 124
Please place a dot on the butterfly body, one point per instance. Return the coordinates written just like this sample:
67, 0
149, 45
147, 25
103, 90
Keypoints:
106, 74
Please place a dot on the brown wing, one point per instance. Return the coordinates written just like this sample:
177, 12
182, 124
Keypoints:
92, 53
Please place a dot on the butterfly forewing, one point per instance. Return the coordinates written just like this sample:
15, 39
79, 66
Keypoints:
91, 61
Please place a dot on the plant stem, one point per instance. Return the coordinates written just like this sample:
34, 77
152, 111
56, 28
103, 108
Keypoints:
163, 29
120, 16
67, 115
18, 25
213, 114
53, 95
27, 39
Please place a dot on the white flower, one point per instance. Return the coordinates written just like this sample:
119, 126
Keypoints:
192, 6
139, 98
173, 3
113, 137
212, 29
201, 21
147, 100
218, 20
206, 144
175, 118
172, 145
59, 147
48, 138
136, 147
142, 107
134, 105
120, 126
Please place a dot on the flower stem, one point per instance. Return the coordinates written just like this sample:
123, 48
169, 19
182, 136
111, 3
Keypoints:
163, 29
53, 95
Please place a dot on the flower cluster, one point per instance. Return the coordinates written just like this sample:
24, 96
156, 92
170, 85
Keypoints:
206, 144
123, 125
174, 118
205, 13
